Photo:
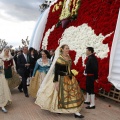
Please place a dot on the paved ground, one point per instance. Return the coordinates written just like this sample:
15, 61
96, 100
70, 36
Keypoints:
24, 108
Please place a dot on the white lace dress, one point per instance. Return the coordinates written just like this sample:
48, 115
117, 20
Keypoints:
5, 95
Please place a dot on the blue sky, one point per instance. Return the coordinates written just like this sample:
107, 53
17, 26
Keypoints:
17, 19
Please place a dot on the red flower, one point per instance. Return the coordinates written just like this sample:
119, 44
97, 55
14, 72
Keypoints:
100, 15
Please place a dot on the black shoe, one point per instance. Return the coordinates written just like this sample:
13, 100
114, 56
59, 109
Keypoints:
26, 95
88, 107
88, 103
77, 116
59, 113
20, 90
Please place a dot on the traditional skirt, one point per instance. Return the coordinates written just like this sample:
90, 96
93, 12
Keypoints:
69, 95
69, 98
35, 83
14, 81
5, 95
8, 73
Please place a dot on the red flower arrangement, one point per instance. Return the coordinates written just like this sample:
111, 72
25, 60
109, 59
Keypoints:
100, 15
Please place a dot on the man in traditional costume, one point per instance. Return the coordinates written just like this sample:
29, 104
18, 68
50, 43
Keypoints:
91, 73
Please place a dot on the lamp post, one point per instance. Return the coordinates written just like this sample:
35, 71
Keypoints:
45, 5
25, 42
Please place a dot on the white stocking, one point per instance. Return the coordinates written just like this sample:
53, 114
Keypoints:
92, 100
78, 114
3, 108
88, 98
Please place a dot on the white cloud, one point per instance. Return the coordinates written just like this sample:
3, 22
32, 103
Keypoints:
24, 10
13, 32
17, 19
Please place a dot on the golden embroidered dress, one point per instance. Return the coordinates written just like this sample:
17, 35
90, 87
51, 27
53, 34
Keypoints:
5, 95
69, 98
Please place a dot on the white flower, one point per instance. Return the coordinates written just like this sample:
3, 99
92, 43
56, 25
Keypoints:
45, 39
79, 38
82, 36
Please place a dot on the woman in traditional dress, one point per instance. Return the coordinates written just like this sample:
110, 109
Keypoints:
41, 68
5, 95
60, 91
9, 69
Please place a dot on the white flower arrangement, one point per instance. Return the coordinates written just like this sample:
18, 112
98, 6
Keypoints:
79, 38
45, 39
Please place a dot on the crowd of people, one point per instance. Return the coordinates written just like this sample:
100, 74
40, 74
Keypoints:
52, 82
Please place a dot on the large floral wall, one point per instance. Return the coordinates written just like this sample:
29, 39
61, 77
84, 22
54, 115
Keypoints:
94, 26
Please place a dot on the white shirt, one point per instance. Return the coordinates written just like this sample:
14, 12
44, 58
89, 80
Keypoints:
52, 58
25, 55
